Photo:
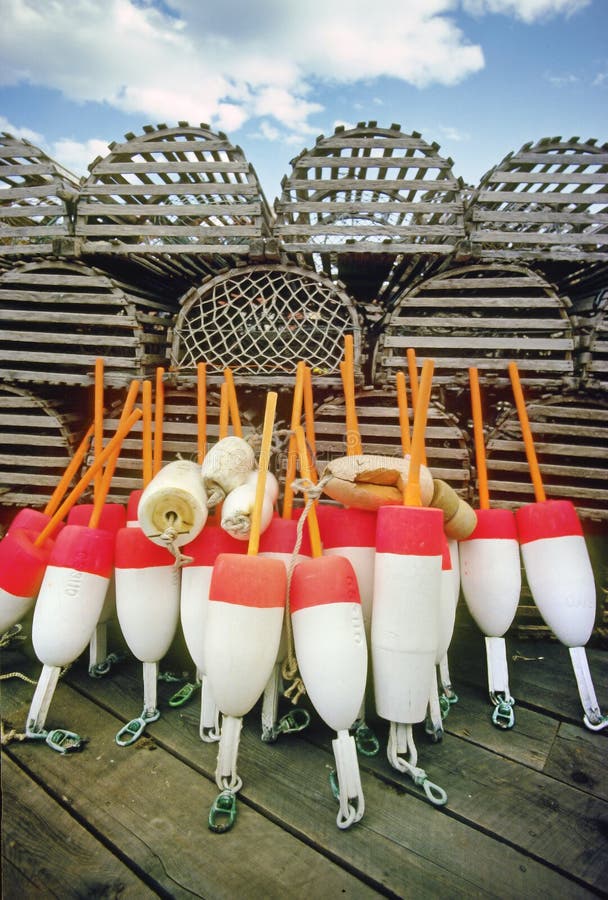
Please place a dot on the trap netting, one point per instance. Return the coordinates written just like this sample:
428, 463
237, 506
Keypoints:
261, 320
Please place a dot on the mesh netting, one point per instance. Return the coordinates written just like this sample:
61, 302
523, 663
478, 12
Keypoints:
262, 320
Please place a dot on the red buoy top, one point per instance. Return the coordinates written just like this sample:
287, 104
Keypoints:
113, 516
281, 536
549, 519
133, 550
133, 504
84, 549
409, 530
248, 581
22, 563
346, 527
326, 579
28, 519
494, 523
209, 543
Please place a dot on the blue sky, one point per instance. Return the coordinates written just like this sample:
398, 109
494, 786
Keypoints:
479, 77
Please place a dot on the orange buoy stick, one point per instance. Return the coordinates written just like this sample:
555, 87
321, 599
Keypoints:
98, 416
111, 447
233, 404
413, 374
404, 422
159, 414
309, 418
292, 453
146, 438
223, 424
108, 472
313, 524
412, 490
347, 370
201, 411
263, 464
524, 422
69, 473
480, 452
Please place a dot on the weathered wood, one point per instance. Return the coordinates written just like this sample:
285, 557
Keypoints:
83, 315
46, 851
260, 320
182, 190
401, 840
547, 201
534, 328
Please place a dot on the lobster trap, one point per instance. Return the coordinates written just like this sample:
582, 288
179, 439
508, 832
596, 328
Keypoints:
259, 321
482, 316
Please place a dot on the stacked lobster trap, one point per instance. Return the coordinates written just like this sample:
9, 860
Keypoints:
168, 255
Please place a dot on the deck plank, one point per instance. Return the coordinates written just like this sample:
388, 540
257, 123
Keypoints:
146, 802
46, 851
400, 832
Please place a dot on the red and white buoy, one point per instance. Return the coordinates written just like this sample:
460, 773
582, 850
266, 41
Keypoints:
147, 608
490, 574
331, 649
22, 567
113, 517
351, 533
405, 618
244, 625
558, 568
69, 603
561, 580
194, 606
448, 694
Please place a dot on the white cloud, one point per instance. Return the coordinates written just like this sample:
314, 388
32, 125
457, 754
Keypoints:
17, 131
527, 10
226, 62
75, 155
562, 80
454, 134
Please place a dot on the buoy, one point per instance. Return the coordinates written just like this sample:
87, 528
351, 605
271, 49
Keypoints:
147, 608
490, 575
69, 603
244, 625
558, 568
194, 605
351, 533
22, 566
113, 517
331, 649
172, 509
405, 618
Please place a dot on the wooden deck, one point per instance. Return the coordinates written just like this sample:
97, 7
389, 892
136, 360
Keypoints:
527, 811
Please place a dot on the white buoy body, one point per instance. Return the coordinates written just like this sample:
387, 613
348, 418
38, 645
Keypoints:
329, 637
113, 517
147, 594
558, 569
195, 583
173, 502
72, 593
405, 618
490, 571
244, 623
22, 567
351, 533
